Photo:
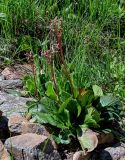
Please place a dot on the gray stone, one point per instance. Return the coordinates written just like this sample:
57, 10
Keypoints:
5, 84
116, 152
15, 124
11, 73
12, 105
1, 149
81, 155
1, 77
54, 155
20, 125
34, 128
4, 155
16, 71
32, 147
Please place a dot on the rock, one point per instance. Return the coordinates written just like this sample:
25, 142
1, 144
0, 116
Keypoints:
6, 84
11, 73
20, 125
1, 149
34, 128
4, 155
4, 131
15, 124
17, 71
54, 155
12, 105
32, 146
25, 69
69, 156
117, 152
1, 77
81, 155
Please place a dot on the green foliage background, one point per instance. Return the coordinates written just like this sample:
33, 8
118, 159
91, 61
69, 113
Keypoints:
93, 37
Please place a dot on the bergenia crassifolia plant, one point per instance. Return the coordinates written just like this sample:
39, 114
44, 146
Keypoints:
69, 109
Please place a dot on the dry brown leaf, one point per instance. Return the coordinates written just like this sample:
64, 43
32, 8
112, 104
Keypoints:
88, 140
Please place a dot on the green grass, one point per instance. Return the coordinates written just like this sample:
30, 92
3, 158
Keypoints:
93, 36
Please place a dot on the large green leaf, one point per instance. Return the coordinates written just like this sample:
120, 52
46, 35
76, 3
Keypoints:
50, 104
65, 115
50, 118
97, 90
108, 100
64, 137
92, 117
31, 104
50, 91
72, 106
64, 104
87, 139
79, 109
34, 106
64, 95
67, 87
75, 92
29, 85
85, 98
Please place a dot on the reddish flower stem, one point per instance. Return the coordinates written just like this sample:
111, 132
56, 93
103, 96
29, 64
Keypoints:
58, 34
49, 57
53, 78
